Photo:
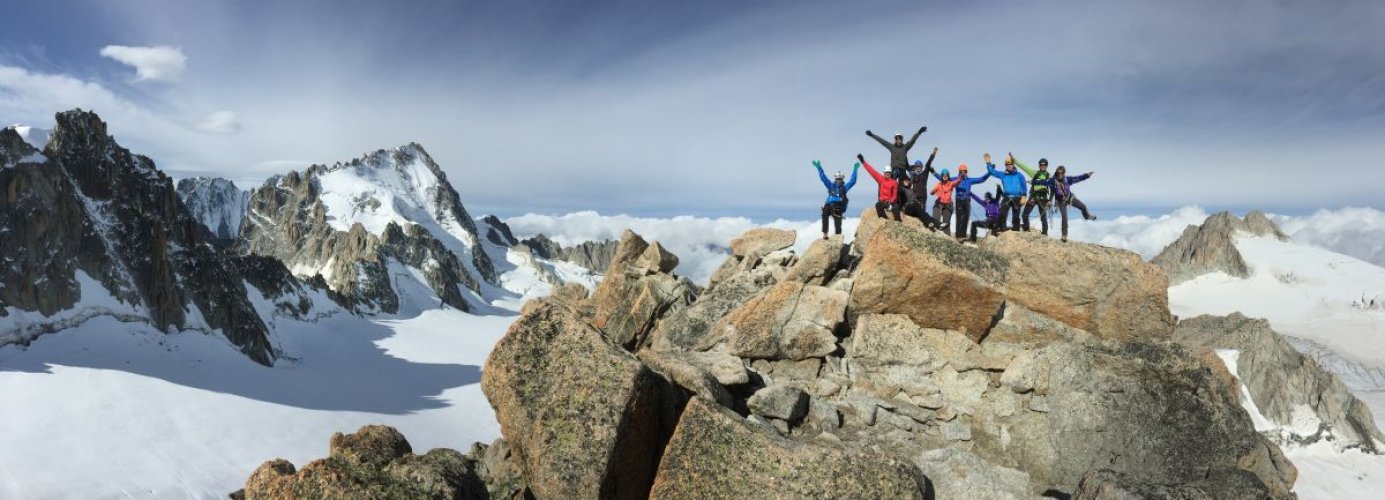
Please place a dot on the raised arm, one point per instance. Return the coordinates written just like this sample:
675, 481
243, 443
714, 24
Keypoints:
928, 165
1079, 178
871, 170
910, 144
822, 175
990, 169
1022, 166
852, 181
878, 139
977, 198
982, 178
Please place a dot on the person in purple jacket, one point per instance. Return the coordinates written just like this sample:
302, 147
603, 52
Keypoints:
1061, 185
992, 207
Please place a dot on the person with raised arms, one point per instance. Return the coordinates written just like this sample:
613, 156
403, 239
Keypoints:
899, 151
1061, 185
961, 198
888, 196
835, 207
1013, 186
942, 207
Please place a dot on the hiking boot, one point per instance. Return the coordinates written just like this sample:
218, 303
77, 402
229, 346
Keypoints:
1089, 217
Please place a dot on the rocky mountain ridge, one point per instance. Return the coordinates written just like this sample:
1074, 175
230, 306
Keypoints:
86, 208
905, 365
1211, 246
593, 255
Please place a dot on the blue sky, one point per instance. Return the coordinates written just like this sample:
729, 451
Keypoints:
717, 108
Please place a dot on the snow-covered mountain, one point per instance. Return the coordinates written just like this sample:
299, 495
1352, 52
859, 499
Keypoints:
385, 224
1327, 306
215, 202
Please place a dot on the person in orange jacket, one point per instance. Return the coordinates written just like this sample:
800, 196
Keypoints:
942, 208
889, 190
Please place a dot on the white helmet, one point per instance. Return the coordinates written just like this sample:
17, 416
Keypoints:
839, 175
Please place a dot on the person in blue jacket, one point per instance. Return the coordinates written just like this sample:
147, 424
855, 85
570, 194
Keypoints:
836, 195
1013, 186
961, 197
1061, 185
992, 207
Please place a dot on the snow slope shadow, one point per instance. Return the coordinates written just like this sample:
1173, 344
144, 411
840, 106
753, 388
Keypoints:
342, 363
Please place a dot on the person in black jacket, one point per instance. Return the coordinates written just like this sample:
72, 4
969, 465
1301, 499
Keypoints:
899, 151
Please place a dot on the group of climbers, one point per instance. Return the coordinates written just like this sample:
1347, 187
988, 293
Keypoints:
905, 191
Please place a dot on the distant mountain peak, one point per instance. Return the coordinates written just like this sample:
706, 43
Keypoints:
351, 220
1211, 246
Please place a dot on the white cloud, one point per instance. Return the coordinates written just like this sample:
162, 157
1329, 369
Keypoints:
1141, 234
1355, 231
170, 138
700, 242
151, 63
220, 122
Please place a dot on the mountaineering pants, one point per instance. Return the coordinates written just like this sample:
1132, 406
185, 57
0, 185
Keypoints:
988, 224
915, 209
1010, 207
963, 208
1043, 214
881, 206
943, 213
834, 210
1063, 211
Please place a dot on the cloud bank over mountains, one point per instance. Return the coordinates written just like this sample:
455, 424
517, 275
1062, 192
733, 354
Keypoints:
700, 242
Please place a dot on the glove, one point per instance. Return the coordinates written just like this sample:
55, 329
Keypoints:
856, 166
861, 158
867, 132
923, 129
817, 164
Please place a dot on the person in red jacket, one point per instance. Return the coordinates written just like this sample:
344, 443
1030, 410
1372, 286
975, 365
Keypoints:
889, 190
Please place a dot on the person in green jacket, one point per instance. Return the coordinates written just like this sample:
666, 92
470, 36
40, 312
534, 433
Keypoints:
1039, 194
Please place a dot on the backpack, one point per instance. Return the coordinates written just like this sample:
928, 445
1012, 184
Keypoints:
1040, 192
839, 189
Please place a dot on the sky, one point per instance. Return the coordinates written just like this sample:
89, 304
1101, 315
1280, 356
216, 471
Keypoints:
717, 108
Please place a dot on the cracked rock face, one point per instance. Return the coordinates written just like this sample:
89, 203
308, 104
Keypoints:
367, 224
88, 205
1001, 405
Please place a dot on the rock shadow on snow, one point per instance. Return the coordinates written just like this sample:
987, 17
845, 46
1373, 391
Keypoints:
346, 369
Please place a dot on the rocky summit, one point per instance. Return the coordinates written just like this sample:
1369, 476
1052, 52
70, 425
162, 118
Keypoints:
847, 374
86, 218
